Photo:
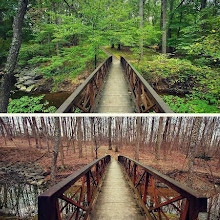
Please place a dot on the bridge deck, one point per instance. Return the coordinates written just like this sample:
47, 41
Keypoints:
116, 200
115, 97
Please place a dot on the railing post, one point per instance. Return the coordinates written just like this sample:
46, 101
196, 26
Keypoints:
147, 175
47, 208
97, 173
88, 188
134, 174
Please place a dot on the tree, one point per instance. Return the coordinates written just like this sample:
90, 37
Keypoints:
110, 133
164, 31
79, 136
159, 139
138, 136
56, 149
141, 14
13, 55
192, 149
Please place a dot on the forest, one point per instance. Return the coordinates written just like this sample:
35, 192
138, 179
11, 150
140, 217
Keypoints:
37, 152
55, 45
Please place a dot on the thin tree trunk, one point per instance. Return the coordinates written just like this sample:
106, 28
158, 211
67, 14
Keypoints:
141, 14
79, 137
56, 149
137, 148
110, 133
159, 139
13, 55
164, 31
192, 149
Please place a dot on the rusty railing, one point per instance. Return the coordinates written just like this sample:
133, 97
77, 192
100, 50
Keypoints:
83, 98
146, 98
73, 197
160, 196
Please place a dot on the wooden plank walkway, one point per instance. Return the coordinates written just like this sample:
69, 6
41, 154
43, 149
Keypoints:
116, 96
116, 200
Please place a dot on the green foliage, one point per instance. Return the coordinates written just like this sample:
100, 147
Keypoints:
202, 82
201, 42
30, 105
190, 104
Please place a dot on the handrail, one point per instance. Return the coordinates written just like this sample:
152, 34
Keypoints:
147, 99
75, 194
157, 191
84, 96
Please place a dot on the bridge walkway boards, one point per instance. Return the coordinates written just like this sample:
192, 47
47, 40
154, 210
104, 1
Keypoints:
116, 200
116, 96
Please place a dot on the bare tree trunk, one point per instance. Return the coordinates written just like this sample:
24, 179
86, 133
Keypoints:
164, 31
159, 139
110, 133
79, 137
192, 149
13, 55
165, 134
56, 150
117, 134
137, 148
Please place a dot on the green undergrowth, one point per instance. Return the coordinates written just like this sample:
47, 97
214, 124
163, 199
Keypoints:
28, 104
63, 65
201, 82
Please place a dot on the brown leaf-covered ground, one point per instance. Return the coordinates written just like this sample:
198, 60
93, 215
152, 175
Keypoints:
206, 178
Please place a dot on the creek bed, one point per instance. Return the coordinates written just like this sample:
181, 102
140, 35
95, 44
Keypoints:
19, 200
55, 98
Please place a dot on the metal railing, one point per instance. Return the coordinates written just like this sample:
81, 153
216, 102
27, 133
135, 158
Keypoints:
73, 197
146, 98
160, 196
83, 98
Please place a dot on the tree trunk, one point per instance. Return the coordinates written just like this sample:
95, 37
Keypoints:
164, 31
119, 47
56, 149
110, 133
159, 139
192, 149
165, 136
137, 148
203, 4
117, 134
13, 55
141, 14
79, 137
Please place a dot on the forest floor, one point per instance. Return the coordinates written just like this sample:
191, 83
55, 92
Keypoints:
206, 173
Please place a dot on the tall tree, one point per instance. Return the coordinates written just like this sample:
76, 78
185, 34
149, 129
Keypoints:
79, 136
192, 149
137, 147
159, 139
141, 14
13, 55
164, 31
56, 149
110, 133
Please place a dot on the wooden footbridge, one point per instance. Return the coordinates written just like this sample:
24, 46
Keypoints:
114, 87
120, 190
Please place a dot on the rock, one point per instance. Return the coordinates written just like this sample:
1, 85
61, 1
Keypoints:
29, 82
33, 182
30, 88
46, 173
25, 78
40, 182
23, 88
38, 77
44, 86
